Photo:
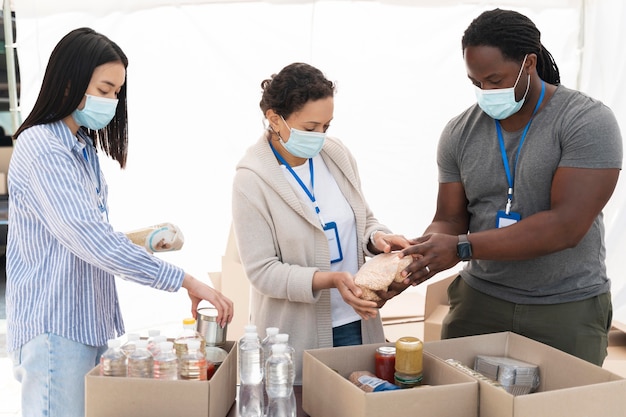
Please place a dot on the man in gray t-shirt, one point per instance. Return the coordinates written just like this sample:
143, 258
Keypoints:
523, 177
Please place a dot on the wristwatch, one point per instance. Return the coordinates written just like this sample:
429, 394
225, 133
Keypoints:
464, 248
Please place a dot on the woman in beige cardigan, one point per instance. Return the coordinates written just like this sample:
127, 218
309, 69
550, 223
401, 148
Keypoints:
302, 224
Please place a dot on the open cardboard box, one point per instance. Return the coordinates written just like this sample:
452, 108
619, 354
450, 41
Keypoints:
326, 391
569, 386
436, 307
140, 397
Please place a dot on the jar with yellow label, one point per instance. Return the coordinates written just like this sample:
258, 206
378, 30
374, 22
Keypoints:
409, 359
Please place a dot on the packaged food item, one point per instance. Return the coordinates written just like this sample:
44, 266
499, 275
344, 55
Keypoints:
369, 382
515, 376
379, 272
161, 237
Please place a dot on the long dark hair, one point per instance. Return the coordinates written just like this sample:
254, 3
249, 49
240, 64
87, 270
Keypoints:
65, 81
515, 35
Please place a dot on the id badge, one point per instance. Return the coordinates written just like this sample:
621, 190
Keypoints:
332, 234
504, 220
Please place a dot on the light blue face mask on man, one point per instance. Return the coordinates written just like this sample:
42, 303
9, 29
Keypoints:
97, 113
499, 103
303, 144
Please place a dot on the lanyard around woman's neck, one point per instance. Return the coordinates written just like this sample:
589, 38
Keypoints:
505, 160
309, 193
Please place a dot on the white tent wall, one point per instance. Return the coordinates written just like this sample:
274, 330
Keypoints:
194, 87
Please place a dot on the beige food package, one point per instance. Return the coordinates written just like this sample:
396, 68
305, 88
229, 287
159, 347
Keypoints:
380, 271
163, 237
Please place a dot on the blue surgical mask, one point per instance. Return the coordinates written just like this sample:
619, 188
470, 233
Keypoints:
500, 103
303, 144
97, 113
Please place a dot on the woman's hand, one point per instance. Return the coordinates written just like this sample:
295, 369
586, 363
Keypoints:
198, 291
387, 242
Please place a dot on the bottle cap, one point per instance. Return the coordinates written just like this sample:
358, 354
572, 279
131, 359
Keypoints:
271, 331
251, 335
279, 348
188, 321
282, 338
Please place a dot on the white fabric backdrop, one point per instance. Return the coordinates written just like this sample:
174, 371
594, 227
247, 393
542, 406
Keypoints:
194, 86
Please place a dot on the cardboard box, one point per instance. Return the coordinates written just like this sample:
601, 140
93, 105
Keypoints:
616, 351
326, 391
436, 307
403, 315
139, 397
234, 283
568, 386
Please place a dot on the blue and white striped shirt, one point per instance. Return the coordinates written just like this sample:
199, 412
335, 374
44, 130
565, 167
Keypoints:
62, 253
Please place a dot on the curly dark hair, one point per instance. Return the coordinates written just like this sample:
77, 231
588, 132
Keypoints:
294, 86
515, 35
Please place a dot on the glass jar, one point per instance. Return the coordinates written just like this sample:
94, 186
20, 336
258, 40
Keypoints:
385, 362
409, 360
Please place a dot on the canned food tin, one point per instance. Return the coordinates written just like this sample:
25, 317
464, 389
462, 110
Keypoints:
207, 326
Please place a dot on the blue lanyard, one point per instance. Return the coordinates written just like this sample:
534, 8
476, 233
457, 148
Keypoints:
310, 194
505, 160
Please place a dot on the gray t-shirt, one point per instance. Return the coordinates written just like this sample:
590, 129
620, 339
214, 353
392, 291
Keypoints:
572, 130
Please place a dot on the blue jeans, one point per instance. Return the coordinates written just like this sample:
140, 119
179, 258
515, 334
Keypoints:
348, 334
52, 372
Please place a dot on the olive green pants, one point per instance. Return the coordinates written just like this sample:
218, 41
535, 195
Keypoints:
579, 328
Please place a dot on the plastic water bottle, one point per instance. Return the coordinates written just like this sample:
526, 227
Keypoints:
248, 328
166, 362
192, 364
154, 344
188, 333
279, 382
268, 341
129, 345
284, 339
251, 403
140, 361
113, 360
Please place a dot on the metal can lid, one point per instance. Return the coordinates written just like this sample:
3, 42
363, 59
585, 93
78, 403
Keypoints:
207, 313
386, 350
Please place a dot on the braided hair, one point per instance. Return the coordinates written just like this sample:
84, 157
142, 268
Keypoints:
515, 35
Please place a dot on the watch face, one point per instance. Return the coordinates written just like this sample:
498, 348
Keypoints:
464, 251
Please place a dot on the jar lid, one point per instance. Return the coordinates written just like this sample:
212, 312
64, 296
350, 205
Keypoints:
386, 350
409, 343
408, 379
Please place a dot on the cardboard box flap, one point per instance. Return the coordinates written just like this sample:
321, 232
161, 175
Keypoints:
437, 294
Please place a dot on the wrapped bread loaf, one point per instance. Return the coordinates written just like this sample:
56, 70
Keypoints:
161, 237
379, 272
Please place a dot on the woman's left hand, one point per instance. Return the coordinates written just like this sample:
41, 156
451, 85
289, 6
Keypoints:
351, 293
